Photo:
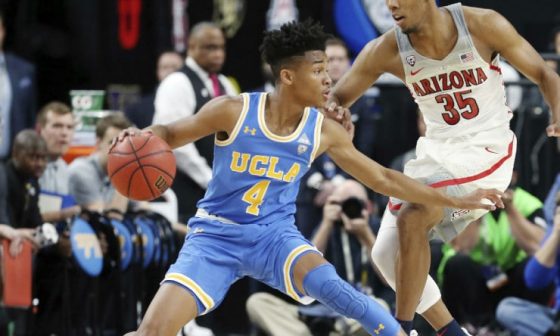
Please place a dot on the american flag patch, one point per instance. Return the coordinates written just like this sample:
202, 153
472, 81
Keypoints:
467, 57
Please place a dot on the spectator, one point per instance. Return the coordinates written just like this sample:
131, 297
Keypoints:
27, 164
527, 318
88, 180
16, 236
141, 113
55, 124
345, 234
338, 58
29, 153
17, 94
492, 258
182, 94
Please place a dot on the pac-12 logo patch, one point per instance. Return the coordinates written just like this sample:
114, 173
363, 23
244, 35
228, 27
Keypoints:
411, 60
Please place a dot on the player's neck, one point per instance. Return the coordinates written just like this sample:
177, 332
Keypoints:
435, 37
282, 113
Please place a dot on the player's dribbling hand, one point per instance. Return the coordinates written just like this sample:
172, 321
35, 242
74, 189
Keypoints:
475, 199
553, 130
131, 131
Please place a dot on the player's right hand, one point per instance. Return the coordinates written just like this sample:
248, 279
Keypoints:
131, 131
475, 199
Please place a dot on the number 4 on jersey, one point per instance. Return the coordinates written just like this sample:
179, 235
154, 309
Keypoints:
255, 196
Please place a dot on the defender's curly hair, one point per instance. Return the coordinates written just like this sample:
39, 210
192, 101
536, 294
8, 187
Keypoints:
292, 39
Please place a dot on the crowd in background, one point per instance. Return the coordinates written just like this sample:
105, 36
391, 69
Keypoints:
500, 275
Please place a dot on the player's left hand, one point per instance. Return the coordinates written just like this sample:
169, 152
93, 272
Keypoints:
553, 130
475, 199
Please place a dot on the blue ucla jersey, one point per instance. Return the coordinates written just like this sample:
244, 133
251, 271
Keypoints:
256, 174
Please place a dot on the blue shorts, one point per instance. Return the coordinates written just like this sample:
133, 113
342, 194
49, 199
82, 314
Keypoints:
216, 254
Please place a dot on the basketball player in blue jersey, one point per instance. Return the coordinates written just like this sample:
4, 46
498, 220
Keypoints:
448, 58
264, 144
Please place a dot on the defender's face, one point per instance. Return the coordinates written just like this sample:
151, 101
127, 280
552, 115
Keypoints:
312, 83
408, 14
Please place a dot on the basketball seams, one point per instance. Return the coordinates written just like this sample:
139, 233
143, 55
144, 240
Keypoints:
140, 148
140, 165
137, 159
158, 168
132, 178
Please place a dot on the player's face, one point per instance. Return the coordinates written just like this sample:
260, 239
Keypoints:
313, 83
408, 14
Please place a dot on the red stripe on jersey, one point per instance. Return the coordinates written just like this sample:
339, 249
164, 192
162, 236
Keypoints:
462, 180
496, 68
478, 176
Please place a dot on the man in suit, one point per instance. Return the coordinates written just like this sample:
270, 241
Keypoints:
17, 95
180, 95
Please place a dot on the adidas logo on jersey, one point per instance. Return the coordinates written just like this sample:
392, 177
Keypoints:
304, 140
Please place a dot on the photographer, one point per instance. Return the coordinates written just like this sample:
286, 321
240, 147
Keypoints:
345, 236
524, 317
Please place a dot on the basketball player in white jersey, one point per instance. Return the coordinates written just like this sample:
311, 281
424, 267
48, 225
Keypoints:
448, 58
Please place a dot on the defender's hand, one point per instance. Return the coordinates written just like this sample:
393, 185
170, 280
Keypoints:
340, 114
474, 200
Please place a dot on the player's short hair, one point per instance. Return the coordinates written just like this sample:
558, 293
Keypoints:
293, 39
116, 120
55, 107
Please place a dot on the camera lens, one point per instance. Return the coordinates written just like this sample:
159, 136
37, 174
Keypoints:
352, 207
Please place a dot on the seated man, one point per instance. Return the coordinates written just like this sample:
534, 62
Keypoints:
344, 236
528, 318
88, 179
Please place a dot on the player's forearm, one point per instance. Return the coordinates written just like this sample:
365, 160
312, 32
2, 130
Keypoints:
398, 185
162, 131
550, 87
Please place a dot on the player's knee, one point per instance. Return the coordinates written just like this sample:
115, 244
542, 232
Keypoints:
379, 254
323, 284
416, 218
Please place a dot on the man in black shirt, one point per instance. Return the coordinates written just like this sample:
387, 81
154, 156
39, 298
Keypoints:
23, 170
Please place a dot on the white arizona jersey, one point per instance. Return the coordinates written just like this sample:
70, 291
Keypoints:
459, 95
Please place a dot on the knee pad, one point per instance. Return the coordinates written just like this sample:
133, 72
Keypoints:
384, 255
323, 284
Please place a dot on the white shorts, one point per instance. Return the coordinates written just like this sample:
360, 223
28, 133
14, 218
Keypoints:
462, 165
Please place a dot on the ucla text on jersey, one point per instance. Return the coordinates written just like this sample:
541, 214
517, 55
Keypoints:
256, 173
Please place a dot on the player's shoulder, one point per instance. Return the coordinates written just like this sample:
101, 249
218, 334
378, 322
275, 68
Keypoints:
479, 19
386, 43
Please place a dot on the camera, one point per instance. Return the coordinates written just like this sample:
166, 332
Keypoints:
352, 207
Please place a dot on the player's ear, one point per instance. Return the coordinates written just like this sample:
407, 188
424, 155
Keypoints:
286, 76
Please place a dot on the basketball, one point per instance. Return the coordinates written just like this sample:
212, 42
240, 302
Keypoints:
141, 167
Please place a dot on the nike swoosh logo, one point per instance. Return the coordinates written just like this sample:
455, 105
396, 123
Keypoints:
414, 73
489, 150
